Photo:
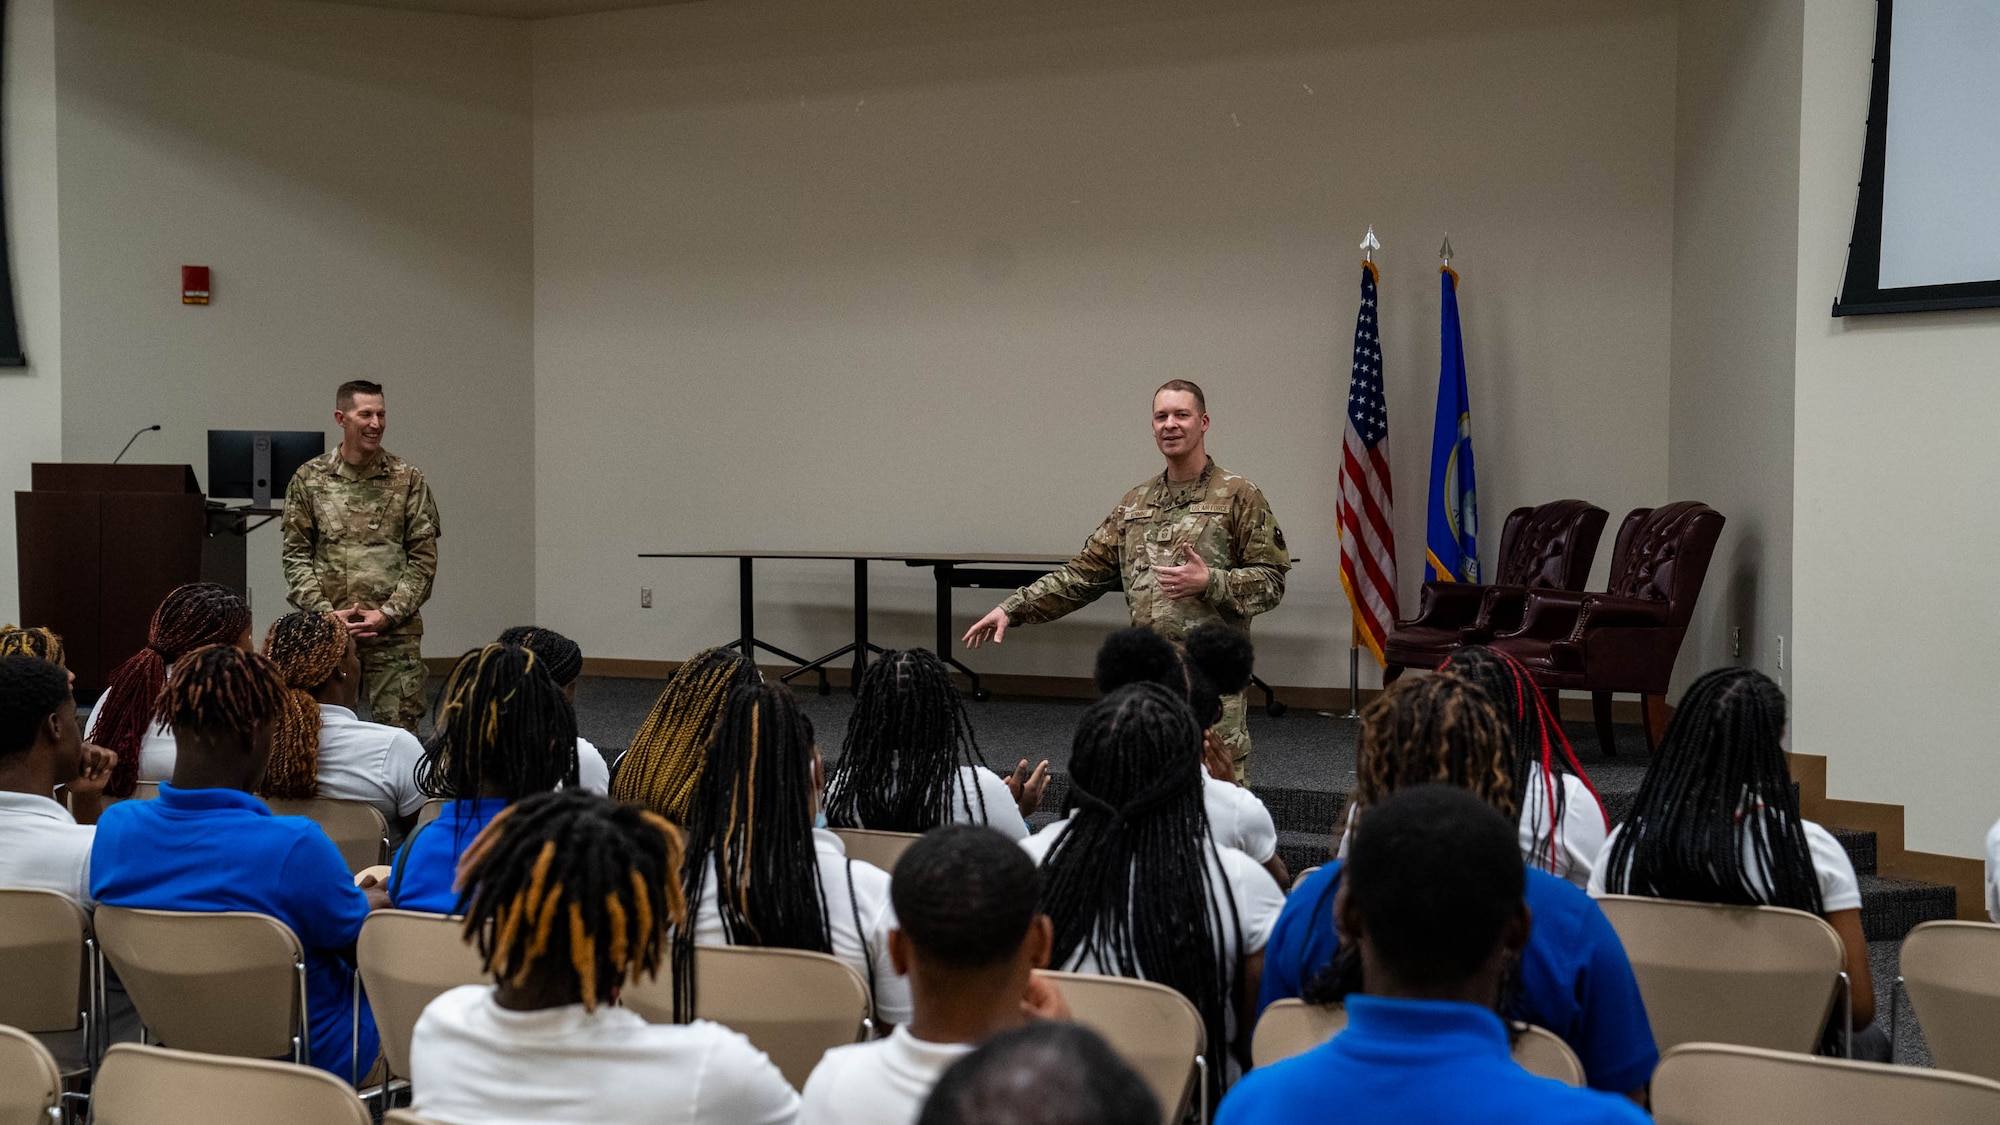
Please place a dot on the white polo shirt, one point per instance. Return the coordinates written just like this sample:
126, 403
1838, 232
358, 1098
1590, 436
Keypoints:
1838, 887
364, 761
156, 749
881, 1083
592, 774
999, 813
473, 1061
863, 949
43, 847
1238, 819
1579, 838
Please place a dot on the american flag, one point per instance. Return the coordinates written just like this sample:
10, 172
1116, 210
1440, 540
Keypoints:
1367, 542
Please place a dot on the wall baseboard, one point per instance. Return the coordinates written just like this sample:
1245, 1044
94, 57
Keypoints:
1966, 874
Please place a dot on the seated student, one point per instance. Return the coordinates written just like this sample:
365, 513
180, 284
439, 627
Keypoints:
759, 873
200, 613
39, 642
1433, 906
1574, 978
504, 731
206, 844
42, 845
910, 762
564, 660
1134, 882
970, 940
569, 896
1047, 1073
319, 746
1215, 654
662, 766
1717, 820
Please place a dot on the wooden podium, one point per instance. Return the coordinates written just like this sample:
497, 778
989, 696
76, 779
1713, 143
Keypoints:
99, 547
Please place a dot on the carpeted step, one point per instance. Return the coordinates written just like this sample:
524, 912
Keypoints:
1891, 908
1301, 850
1860, 847
1302, 810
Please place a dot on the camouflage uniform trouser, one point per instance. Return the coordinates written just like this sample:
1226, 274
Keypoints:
1234, 731
392, 680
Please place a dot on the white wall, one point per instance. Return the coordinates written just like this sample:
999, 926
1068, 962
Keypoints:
1895, 463
905, 275
359, 181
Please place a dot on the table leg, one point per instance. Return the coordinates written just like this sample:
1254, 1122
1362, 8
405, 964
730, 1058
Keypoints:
745, 607
860, 625
943, 572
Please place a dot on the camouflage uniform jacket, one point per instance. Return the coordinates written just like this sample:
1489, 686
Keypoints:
1222, 516
364, 534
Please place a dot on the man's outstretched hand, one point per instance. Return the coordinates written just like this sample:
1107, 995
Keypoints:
992, 627
1028, 787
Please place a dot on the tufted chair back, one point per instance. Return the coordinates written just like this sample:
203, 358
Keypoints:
1550, 546
1662, 554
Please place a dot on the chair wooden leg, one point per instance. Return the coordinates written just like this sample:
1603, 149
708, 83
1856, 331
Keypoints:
1656, 720
1600, 710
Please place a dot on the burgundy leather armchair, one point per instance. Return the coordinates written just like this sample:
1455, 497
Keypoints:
1551, 546
1626, 638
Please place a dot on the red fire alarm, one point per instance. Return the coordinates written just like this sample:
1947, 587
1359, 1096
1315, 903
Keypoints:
194, 285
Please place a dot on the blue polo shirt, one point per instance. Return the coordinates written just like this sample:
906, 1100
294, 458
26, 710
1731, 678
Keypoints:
222, 849
1415, 1062
428, 864
1574, 977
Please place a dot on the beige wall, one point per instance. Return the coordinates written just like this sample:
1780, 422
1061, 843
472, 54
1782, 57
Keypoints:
904, 275
1736, 198
359, 182
1895, 465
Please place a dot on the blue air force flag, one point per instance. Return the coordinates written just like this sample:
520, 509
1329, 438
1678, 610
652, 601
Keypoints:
1451, 541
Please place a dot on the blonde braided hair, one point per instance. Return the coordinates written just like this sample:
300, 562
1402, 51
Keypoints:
307, 647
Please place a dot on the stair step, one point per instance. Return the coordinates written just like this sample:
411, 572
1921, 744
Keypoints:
1301, 850
1891, 908
1860, 848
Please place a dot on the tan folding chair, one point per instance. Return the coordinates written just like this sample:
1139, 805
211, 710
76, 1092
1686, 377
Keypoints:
792, 1005
1952, 973
50, 982
406, 1117
1152, 1027
409, 959
1762, 976
357, 828
1293, 1027
156, 1086
227, 983
1301, 876
430, 811
144, 791
30, 1083
882, 849
1723, 1084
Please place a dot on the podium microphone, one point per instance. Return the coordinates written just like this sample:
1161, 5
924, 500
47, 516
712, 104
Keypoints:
135, 437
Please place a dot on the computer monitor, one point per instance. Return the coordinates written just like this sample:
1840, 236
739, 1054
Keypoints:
254, 465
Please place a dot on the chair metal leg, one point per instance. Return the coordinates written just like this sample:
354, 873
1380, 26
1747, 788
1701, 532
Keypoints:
1895, 1002
302, 1041
354, 1043
1847, 1017
1201, 1065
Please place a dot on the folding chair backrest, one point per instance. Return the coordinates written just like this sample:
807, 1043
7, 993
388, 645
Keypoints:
430, 811
407, 1117
1151, 1026
1762, 976
229, 983
1722, 1084
1541, 1051
357, 828
407, 960
882, 849
157, 1086
1952, 973
30, 1083
42, 936
1301, 876
144, 790
793, 1005
1293, 1027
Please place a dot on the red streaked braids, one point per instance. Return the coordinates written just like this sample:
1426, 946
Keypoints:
197, 614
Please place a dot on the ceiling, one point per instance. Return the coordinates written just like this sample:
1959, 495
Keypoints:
516, 9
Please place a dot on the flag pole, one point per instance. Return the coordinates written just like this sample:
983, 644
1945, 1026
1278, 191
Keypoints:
1369, 244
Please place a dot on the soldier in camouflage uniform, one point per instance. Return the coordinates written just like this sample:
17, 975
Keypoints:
361, 532
1194, 544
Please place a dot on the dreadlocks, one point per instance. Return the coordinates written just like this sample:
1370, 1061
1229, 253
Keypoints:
42, 643
200, 613
1129, 879
220, 691
504, 729
664, 763
1538, 739
1439, 728
1716, 819
750, 829
571, 887
307, 647
560, 655
906, 739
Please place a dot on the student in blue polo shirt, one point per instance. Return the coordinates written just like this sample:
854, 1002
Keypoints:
1574, 978
505, 730
1433, 904
207, 845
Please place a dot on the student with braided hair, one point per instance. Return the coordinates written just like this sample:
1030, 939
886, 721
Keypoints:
910, 762
207, 844
569, 897
564, 660
197, 614
320, 747
664, 763
40, 642
1136, 885
1717, 820
759, 871
504, 731
1573, 978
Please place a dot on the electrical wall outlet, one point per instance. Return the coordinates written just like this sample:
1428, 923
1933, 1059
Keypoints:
645, 597
1736, 641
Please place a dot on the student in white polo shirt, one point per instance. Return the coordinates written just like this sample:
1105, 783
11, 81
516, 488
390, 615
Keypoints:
564, 661
970, 938
319, 746
42, 846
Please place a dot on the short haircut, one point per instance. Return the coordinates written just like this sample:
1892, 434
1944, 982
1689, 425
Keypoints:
31, 689
1138, 655
560, 655
1047, 1073
965, 896
1191, 387
343, 399
1436, 874
1222, 653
